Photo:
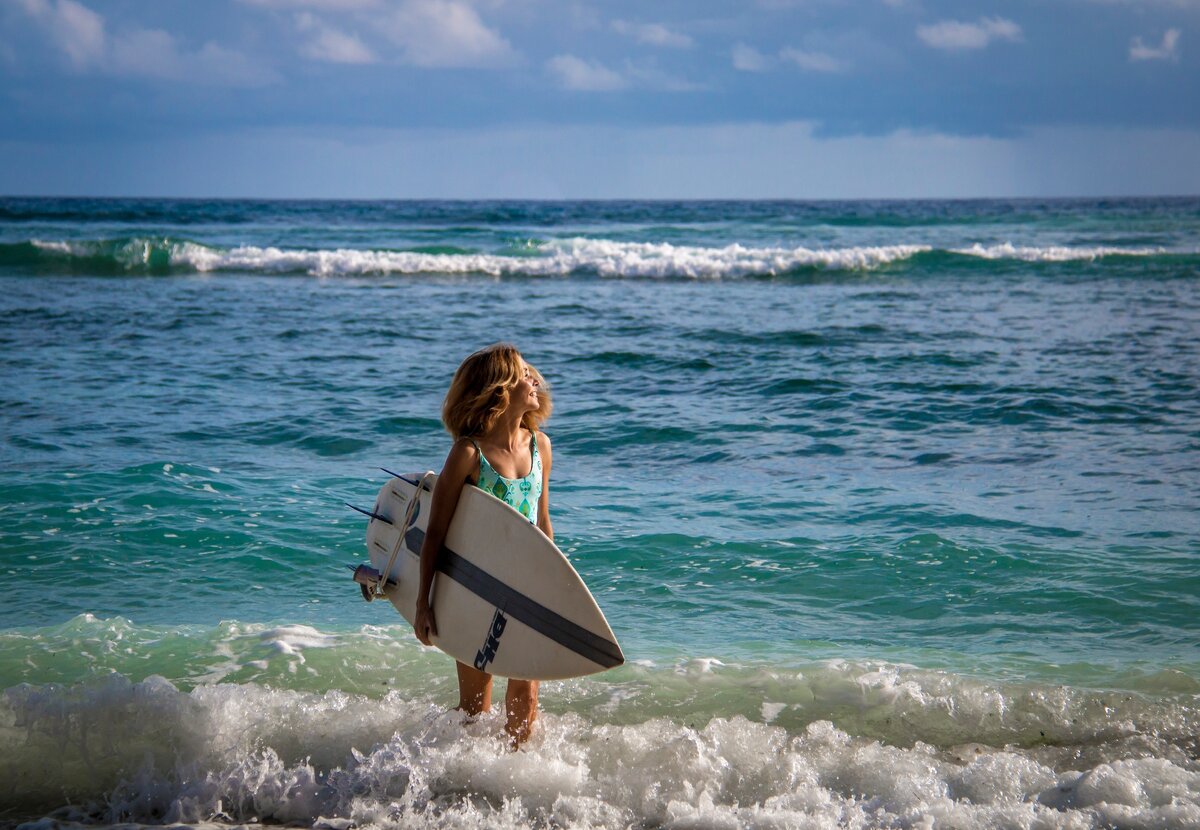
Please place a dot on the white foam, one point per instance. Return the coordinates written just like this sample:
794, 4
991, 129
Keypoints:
1053, 253
56, 246
293, 639
559, 258
605, 258
770, 710
148, 752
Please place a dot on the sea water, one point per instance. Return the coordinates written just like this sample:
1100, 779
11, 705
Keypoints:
891, 505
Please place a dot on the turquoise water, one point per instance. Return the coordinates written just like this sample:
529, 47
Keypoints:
872, 485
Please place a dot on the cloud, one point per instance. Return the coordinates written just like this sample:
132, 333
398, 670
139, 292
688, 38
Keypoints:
444, 34
75, 29
813, 61
584, 76
748, 59
1167, 50
214, 64
326, 5
654, 34
958, 36
148, 52
137, 52
326, 43
647, 75
154, 53
575, 73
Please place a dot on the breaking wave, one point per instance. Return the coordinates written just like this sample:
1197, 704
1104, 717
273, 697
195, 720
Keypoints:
558, 258
694, 744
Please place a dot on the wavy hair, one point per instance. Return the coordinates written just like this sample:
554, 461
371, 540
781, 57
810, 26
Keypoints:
482, 388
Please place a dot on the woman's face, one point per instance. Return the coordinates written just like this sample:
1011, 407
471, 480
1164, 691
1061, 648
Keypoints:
525, 394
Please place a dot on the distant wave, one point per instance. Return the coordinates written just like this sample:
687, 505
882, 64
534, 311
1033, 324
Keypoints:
557, 258
1054, 253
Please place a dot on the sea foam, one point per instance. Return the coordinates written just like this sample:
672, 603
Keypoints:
1054, 253
600, 257
555, 258
113, 751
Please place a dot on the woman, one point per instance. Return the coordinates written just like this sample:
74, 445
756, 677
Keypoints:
494, 409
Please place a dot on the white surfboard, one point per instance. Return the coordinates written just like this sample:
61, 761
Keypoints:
505, 598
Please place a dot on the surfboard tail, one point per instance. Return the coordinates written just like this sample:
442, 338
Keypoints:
370, 581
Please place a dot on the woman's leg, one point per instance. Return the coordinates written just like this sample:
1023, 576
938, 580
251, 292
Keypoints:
474, 690
520, 706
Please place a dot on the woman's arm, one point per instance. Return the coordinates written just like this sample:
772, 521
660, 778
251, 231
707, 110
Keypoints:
462, 461
543, 518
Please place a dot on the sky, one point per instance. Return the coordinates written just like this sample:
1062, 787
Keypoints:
589, 99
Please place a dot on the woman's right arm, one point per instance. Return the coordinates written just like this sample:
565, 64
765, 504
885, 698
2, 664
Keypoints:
460, 464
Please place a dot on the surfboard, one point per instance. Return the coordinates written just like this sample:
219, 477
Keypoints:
505, 598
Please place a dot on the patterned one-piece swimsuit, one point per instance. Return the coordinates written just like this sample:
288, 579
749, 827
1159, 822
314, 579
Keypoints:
522, 494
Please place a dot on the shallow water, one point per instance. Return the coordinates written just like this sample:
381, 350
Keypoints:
891, 505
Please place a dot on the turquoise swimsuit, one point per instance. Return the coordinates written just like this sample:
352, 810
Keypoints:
522, 494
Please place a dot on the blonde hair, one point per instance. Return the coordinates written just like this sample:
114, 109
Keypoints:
482, 388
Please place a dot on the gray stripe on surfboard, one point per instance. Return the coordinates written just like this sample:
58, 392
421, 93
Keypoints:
541, 619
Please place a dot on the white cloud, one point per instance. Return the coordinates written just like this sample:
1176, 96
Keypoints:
1167, 50
214, 64
748, 59
584, 76
148, 52
649, 76
75, 29
654, 34
326, 5
444, 33
137, 52
957, 36
326, 43
813, 61
575, 73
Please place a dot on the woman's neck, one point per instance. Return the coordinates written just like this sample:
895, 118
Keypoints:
507, 431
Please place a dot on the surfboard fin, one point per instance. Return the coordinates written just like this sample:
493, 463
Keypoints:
370, 513
421, 481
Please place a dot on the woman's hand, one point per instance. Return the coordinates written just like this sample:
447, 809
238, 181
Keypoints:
424, 625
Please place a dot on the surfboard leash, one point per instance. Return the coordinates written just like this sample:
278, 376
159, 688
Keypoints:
410, 517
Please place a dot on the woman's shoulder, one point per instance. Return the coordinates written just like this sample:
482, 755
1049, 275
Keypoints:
464, 445
463, 451
462, 462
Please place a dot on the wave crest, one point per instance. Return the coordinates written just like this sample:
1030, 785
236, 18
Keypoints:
557, 258
602, 258
1054, 253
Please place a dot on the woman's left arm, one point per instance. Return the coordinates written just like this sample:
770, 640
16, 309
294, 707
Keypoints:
543, 519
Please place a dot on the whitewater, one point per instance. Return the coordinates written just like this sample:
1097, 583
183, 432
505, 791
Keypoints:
596, 257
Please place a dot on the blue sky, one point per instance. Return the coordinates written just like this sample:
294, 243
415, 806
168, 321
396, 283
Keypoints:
554, 98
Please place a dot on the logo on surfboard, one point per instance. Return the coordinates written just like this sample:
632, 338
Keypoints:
488, 653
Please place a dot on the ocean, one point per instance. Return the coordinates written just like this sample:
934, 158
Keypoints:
893, 507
